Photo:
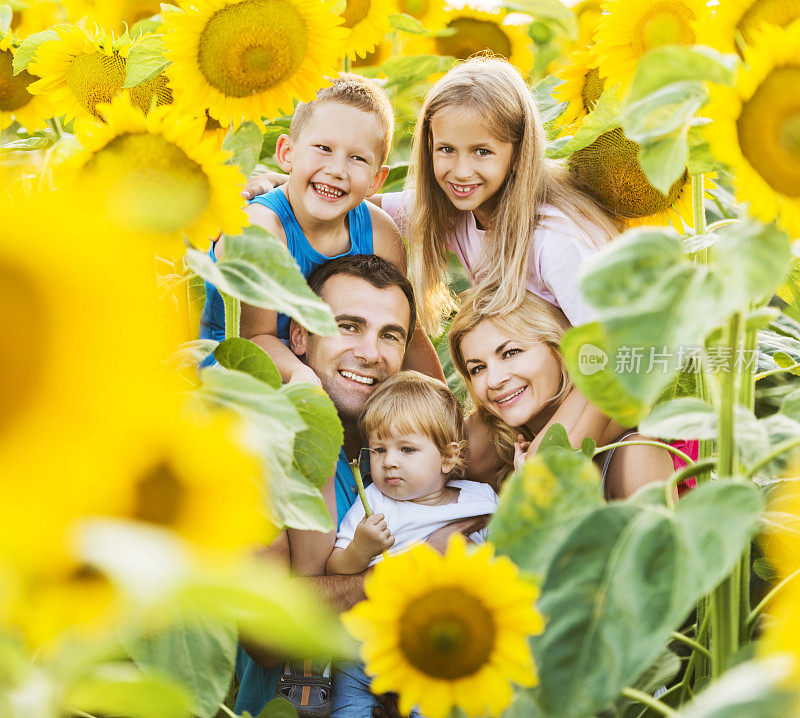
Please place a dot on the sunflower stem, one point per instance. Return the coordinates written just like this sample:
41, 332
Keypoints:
227, 711
356, 469
699, 211
759, 609
233, 311
649, 701
347, 63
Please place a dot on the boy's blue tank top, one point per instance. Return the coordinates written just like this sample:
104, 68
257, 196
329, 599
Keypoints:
212, 319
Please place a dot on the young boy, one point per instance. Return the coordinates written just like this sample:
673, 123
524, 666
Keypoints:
335, 155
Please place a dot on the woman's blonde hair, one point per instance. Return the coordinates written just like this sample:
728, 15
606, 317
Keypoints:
534, 319
495, 91
413, 403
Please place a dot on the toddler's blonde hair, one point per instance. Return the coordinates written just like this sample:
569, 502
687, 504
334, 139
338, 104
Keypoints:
414, 403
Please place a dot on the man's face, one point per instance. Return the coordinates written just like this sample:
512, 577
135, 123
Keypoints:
373, 327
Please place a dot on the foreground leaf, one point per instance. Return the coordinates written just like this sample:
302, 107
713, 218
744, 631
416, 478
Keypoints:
242, 355
146, 59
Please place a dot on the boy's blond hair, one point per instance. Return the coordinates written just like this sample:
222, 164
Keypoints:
413, 403
354, 91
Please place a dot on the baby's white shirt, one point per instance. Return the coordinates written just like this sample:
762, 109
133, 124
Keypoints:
412, 523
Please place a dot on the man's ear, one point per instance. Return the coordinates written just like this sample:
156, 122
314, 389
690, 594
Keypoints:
378, 180
298, 338
283, 153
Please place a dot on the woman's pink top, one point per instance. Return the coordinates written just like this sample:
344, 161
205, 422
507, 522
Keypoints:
558, 247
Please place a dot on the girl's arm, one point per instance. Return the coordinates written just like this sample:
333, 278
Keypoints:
372, 536
387, 243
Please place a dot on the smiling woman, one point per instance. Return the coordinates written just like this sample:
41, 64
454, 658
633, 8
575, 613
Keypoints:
517, 379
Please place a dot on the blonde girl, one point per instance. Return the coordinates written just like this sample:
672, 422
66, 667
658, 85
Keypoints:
517, 380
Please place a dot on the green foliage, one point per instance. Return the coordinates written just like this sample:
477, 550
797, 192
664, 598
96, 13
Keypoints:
406, 23
625, 577
145, 60
26, 52
198, 653
122, 689
604, 118
242, 355
552, 12
6, 13
258, 269
38, 141
540, 504
245, 142
277, 708
404, 71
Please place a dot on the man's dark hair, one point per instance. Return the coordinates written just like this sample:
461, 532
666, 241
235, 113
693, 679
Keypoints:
379, 272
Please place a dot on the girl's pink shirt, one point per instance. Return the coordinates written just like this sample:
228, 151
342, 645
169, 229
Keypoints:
558, 248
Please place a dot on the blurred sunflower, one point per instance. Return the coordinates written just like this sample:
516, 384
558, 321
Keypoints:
736, 21
631, 28
477, 31
447, 631
16, 103
117, 16
581, 87
423, 10
378, 56
170, 477
368, 23
158, 175
588, 14
79, 71
755, 127
35, 16
248, 59
609, 171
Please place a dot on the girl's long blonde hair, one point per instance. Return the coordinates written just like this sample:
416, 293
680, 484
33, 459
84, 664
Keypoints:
495, 91
533, 320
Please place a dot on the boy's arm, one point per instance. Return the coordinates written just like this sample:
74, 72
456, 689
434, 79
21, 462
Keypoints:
387, 243
260, 325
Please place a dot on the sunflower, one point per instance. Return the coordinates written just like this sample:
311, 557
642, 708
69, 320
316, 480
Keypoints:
159, 175
477, 31
741, 19
35, 16
368, 23
609, 171
169, 477
79, 71
588, 13
447, 631
755, 127
16, 103
631, 28
581, 87
382, 52
248, 59
117, 16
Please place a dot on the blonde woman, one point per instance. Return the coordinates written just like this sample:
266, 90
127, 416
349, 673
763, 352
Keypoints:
518, 382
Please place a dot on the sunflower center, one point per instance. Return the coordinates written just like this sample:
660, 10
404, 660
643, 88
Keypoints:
354, 12
447, 634
665, 23
592, 89
769, 130
13, 90
609, 170
773, 12
159, 496
21, 343
94, 77
471, 36
252, 46
415, 8
151, 183
156, 87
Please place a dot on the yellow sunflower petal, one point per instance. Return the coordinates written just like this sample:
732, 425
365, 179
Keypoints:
248, 59
755, 127
737, 21
367, 22
631, 28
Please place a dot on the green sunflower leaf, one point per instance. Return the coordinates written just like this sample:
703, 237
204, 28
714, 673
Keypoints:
145, 60
26, 52
245, 144
257, 268
406, 23
663, 161
604, 118
6, 13
406, 70
242, 355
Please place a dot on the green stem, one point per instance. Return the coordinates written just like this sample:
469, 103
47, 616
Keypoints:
649, 701
233, 311
347, 64
362, 494
641, 442
693, 644
82, 714
699, 213
695, 469
795, 292
719, 224
756, 612
696, 656
227, 711
763, 374
781, 448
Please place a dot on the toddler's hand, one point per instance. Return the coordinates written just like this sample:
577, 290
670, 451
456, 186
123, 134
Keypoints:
263, 183
372, 536
521, 447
